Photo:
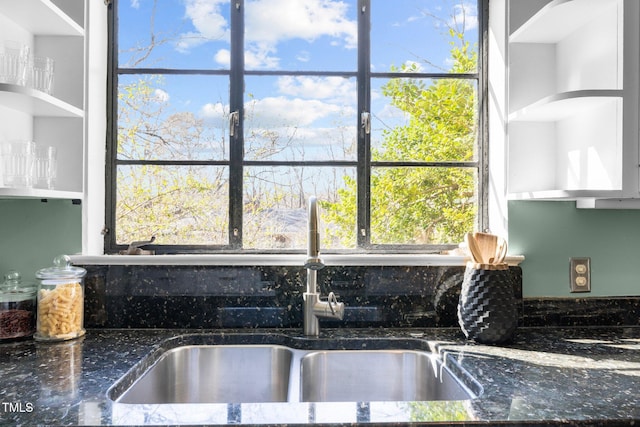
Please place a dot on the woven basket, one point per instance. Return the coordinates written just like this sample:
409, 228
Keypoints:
487, 311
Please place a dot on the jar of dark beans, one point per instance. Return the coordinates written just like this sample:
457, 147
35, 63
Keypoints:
17, 307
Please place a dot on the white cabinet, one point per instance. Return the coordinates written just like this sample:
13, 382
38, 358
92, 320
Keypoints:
55, 29
573, 100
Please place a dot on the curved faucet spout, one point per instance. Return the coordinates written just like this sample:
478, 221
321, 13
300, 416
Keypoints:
314, 262
314, 308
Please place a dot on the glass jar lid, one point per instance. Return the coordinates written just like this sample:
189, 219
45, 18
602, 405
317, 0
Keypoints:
62, 269
12, 289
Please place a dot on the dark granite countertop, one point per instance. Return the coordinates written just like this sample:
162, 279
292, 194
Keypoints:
575, 376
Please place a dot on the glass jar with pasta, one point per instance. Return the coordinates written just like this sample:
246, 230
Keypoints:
60, 314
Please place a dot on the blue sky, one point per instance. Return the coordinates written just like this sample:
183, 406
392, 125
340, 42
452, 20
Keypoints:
313, 112
294, 34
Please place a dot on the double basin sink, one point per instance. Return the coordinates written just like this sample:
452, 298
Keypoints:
273, 372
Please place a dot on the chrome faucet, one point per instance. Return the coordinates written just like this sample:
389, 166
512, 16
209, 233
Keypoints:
314, 308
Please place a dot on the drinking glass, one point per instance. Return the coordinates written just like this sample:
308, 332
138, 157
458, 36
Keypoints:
14, 62
17, 163
41, 68
45, 167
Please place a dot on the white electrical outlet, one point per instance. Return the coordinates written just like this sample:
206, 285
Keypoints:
580, 275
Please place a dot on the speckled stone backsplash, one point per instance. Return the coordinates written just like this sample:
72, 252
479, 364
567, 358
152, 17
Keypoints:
229, 297
608, 311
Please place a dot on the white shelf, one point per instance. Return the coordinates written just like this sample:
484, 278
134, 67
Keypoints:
41, 17
558, 19
38, 193
35, 102
565, 194
562, 105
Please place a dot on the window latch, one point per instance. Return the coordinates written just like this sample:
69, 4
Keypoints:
234, 121
365, 121
135, 248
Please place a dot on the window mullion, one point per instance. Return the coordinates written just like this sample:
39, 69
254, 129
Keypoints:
364, 138
236, 138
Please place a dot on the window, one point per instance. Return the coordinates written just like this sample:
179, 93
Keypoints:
227, 115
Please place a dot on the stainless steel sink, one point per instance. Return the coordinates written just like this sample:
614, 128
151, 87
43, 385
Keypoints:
215, 374
203, 373
377, 375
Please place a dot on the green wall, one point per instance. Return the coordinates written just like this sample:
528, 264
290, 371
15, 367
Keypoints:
32, 233
549, 233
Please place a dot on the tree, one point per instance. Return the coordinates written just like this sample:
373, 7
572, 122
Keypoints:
188, 204
430, 205
177, 204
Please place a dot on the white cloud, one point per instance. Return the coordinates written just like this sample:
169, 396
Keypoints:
188, 41
272, 21
214, 110
135, 4
284, 111
161, 96
208, 21
332, 88
223, 57
269, 23
259, 56
216, 114
331, 96
254, 58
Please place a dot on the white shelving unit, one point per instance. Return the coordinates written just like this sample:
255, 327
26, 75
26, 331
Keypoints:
564, 105
56, 29
573, 100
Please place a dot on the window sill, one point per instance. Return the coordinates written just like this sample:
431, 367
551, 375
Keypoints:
282, 260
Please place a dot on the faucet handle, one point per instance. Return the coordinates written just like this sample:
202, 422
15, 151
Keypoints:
334, 305
330, 308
